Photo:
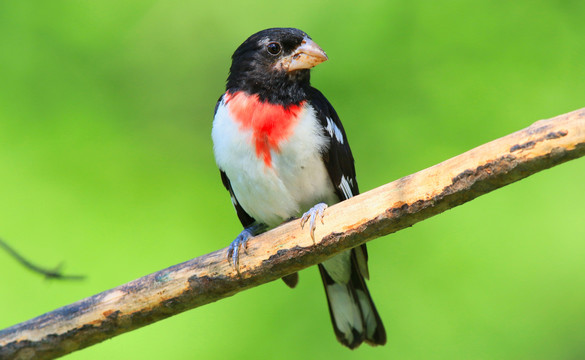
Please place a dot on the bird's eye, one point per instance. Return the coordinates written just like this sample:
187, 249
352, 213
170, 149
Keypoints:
274, 48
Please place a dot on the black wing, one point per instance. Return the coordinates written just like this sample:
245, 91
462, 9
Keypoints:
337, 158
338, 161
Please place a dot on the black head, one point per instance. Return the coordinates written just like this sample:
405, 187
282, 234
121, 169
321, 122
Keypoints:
275, 64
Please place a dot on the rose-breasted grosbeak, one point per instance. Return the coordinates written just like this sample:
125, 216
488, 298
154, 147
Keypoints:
282, 153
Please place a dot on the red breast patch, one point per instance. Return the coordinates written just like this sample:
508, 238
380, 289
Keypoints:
270, 123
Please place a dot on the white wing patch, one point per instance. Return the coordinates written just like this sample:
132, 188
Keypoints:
334, 131
345, 188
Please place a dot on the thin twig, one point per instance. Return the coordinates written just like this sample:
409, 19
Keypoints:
47, 273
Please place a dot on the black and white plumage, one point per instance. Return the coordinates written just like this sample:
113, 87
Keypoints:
282, 153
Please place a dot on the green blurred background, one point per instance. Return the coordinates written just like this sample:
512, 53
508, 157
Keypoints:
106, 164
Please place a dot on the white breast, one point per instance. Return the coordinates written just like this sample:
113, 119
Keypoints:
296, 180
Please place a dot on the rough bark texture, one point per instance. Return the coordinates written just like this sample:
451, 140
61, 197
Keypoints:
289, 248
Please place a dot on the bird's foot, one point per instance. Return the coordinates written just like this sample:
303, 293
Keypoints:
242, 241
312, 215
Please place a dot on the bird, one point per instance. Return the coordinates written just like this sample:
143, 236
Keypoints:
283, 153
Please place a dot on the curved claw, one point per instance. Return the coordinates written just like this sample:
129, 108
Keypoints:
242, 240
318, 209
234, 248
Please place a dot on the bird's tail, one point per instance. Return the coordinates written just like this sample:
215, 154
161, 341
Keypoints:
353, 313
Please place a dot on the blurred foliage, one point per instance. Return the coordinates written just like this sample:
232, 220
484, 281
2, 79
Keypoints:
106, 163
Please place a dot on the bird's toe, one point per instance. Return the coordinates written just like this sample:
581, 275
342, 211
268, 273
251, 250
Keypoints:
311, 216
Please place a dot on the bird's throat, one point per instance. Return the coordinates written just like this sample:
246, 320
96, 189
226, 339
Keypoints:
270, 123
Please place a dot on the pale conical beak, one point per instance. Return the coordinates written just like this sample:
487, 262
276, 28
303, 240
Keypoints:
306, 56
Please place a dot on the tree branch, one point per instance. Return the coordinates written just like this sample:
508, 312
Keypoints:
289, 248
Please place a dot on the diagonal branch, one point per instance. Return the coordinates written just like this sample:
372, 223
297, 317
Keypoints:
288, 248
